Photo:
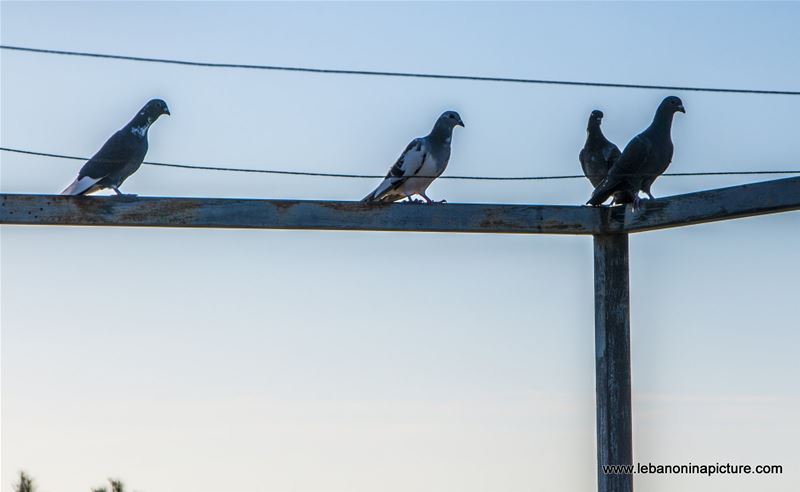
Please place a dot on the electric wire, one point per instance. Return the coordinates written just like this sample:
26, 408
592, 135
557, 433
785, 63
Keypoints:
381, 176
377, 73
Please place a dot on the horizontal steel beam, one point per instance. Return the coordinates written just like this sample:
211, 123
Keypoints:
766, 197
706, 206
296, 214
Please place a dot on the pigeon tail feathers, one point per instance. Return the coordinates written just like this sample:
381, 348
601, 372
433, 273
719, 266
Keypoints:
602, 192
378, 193
81, 186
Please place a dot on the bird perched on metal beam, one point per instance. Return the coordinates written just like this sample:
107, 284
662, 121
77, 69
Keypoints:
120, 156
424, 160
644, 159
598, 154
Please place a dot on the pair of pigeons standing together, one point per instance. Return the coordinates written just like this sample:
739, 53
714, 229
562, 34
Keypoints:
616, 174
622, 175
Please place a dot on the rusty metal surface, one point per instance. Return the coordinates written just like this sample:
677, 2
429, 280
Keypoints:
781, 195
694, 208
612, 360
296, 214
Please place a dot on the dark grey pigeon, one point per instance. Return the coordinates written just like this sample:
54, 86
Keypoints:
598, 154
120, 156
644, 159
425, 157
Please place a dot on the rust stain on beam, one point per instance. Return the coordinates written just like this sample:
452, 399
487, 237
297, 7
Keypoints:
680, 210
297, 214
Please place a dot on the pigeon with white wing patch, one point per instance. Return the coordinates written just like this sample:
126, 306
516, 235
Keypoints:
424, 160
120, 156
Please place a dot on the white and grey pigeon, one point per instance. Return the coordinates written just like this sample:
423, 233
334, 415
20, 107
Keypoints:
644, 159
120, 156
424, 160
598, 154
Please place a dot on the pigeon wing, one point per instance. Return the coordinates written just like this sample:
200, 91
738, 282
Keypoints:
596, 163
611, 153
408, 165
583, 158
112, 156
624, 169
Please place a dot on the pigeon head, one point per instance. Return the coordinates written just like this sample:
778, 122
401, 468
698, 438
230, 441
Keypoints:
147, 115
154, 108
443, 129
671, 105
595, 118
450, 119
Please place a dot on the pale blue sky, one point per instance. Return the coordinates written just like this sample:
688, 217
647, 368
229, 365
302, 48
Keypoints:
280, 361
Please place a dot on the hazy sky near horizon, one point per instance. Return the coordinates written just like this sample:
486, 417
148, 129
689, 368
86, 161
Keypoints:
216, 360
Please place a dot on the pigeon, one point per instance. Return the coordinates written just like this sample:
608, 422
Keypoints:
598, 154
644, 159
425, 157
120, 156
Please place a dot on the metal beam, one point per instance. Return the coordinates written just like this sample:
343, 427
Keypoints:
612, 360
296, 214
675, 211
781, 195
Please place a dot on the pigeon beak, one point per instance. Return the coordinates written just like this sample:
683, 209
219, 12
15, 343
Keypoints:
682, 109
166, 112
460, 123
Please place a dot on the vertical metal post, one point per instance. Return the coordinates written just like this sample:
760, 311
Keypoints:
613, 360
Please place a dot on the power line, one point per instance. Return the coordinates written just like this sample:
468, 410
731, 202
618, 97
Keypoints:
381, 176
395, 74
